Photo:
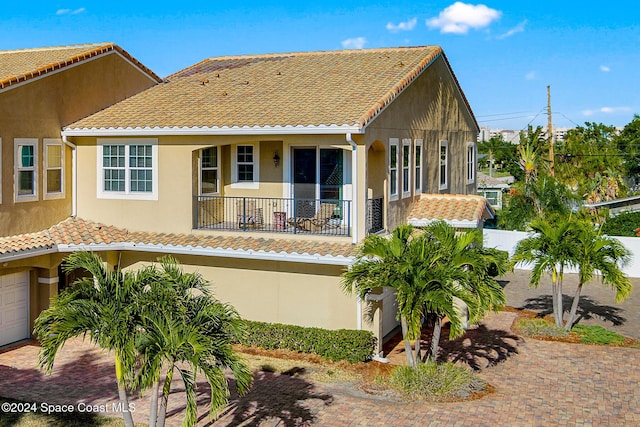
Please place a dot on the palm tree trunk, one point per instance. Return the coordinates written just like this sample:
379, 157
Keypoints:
435, 339
416, 357
559, 305
407, 343
162, 413
122, 393
554, 291
153, 412
574, 308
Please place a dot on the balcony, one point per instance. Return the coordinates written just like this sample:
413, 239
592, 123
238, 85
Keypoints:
273, 215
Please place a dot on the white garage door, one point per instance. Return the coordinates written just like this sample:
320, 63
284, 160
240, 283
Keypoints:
14, 307
389, 311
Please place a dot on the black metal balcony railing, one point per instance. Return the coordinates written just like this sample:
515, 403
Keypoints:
374, 215
309, 216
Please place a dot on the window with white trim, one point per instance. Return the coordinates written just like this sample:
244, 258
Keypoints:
209, 177
393, 168
128, 168
406, 167
444, 157
418, 165
53, 175
245, 161
471, 163
26, 171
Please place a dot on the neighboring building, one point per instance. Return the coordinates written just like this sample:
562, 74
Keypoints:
492, 188
41, 91
262, 173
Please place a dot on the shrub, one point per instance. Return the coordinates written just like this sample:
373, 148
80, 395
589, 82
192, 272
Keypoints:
597, 335
435, 382
623, 224
342, 344
540, 327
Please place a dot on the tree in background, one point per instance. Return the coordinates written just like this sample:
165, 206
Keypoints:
499, 154
628, 143
589, 162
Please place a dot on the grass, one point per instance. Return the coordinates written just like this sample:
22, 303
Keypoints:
547, 329
435, 382
597, 335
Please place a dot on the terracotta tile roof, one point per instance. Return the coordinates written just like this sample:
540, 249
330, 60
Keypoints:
464, 211
78, 234
307, 89
17, 66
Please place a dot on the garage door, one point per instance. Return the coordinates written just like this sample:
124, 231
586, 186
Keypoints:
14, 307
389, 311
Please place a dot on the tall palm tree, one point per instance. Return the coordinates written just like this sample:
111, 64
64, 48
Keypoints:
185, 329
432, 272
601, 256
551, 249
101, 307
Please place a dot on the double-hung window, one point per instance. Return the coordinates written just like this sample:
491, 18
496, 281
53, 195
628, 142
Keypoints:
209, 178
471, 163
418, 165
128, 169
393, 168
26, 171
406, 167
245, 170
444, 157
53, 169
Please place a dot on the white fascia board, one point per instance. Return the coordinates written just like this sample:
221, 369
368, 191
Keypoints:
219, 252
456, 223
224, 130
13, 256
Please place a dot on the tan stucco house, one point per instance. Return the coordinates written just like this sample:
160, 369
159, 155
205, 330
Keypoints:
263, 172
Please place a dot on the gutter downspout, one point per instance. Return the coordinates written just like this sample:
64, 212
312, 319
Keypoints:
74, 176
354, 186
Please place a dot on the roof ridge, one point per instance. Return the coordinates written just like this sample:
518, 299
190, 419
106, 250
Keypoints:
301, 53
61, 47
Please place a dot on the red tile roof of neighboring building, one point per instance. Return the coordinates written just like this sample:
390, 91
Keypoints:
17, 66
464, 211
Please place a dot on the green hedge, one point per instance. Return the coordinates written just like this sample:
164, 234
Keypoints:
623, 224
342, 344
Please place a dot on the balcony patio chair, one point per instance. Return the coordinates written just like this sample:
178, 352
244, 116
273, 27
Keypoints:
248, 214
319, 221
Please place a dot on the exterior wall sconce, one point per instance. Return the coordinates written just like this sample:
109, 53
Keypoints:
276, 159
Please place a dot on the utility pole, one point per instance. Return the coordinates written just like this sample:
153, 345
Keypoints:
550, 132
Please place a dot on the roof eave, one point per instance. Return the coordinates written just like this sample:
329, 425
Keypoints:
210, 251
214, 130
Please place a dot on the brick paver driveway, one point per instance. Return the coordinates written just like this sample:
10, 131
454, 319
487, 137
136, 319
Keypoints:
537, 384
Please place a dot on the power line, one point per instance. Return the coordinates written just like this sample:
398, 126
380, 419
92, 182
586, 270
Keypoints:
505, 114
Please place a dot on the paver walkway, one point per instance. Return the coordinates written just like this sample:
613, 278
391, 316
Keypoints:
537, 383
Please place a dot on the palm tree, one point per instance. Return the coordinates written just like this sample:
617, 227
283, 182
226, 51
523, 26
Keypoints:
602, 256
432, 272
551, 249
101, 307
150, 319
185, 329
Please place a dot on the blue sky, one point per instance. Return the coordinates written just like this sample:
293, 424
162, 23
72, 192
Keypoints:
504, 53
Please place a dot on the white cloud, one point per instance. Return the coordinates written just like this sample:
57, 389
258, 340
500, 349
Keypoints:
70, 11
355, 43
531, 75
460, 17
606, 110
604, 69
402, 26
517, 29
